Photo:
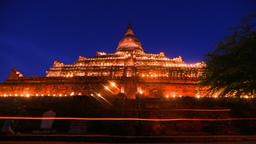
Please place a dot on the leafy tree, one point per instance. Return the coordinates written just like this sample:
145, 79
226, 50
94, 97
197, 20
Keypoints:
231, 67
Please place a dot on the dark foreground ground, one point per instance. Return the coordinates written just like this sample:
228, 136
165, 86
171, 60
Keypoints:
76, 139
190, 120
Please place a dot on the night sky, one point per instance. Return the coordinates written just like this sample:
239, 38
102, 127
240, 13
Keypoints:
34, 33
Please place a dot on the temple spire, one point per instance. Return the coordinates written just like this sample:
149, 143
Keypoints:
129, 42
129, 30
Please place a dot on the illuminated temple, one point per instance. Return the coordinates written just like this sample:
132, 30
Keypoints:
129, 70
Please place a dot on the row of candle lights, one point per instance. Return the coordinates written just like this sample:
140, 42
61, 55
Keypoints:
80, 94
37, 95
122, 64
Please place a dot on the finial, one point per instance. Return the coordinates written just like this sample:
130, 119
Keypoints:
129, 26
129, 30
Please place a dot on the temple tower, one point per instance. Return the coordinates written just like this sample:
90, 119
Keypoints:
130, 45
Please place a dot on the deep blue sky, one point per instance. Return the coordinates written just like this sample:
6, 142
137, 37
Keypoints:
34, 33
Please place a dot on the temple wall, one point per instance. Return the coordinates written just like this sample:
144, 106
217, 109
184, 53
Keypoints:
85, 87
170, 90
51, 87
42, 89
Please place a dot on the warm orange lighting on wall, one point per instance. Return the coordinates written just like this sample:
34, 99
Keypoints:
27, 95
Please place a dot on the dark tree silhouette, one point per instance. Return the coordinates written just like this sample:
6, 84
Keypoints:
231, 67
